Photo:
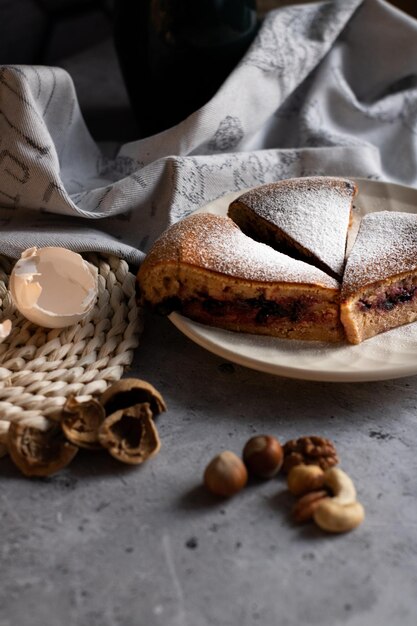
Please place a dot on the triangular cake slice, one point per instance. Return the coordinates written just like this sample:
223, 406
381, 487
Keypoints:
307, 218
379, 289
206, 268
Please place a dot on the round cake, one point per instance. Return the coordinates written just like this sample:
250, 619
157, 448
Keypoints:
206, 268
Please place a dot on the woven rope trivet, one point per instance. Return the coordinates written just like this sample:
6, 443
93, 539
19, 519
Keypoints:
40, 368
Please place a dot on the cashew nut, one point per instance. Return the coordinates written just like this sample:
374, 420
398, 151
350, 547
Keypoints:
341, 512
341, 485
338, 518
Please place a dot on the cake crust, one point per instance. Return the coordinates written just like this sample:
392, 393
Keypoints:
205, 267
307, 218
379, 290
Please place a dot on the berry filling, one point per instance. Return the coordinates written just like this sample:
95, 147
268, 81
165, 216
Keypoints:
400, 293
259, 308
253, 310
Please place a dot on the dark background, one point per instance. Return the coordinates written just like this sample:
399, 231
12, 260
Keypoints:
78, 36
46, 31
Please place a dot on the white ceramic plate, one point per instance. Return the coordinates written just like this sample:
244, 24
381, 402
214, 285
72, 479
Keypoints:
389, 355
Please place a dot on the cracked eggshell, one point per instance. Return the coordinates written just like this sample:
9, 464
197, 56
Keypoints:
5, 330
53, 287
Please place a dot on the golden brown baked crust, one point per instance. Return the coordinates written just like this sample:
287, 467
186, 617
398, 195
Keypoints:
379, 290
307, 218
208, 269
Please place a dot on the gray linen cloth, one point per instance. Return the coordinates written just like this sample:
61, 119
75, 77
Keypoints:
326, 88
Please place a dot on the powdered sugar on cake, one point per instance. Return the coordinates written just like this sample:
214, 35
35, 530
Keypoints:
386, 246
314, 212
217, 244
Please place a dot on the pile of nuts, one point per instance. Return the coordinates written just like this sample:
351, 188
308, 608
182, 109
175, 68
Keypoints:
227, 474
120, 421
327, 497
326, 493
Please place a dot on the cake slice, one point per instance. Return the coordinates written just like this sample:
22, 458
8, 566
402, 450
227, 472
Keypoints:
206, 268
307, 218
379, 289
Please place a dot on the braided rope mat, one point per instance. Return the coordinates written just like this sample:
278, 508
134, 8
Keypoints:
40, 368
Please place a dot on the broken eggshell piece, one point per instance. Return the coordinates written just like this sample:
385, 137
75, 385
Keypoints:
5, 329
53, 287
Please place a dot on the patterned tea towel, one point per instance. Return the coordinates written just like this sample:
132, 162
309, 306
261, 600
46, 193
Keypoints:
326, 88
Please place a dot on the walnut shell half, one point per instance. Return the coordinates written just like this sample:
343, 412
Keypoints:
127, 392
130, 435
39, 452
80, 422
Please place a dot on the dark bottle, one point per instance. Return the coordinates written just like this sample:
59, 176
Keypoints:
175, 54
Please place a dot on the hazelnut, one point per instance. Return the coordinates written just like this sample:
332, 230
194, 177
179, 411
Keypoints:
226, 474
305, 478
263, 456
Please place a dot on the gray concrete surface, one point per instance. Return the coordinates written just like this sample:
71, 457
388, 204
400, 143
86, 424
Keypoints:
103, 545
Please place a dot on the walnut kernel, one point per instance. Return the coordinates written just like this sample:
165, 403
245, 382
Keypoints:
311, 450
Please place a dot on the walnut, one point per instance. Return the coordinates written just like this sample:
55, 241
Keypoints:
128, 431
127, 392
80, 422
310, 451
130, 434
39, 452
